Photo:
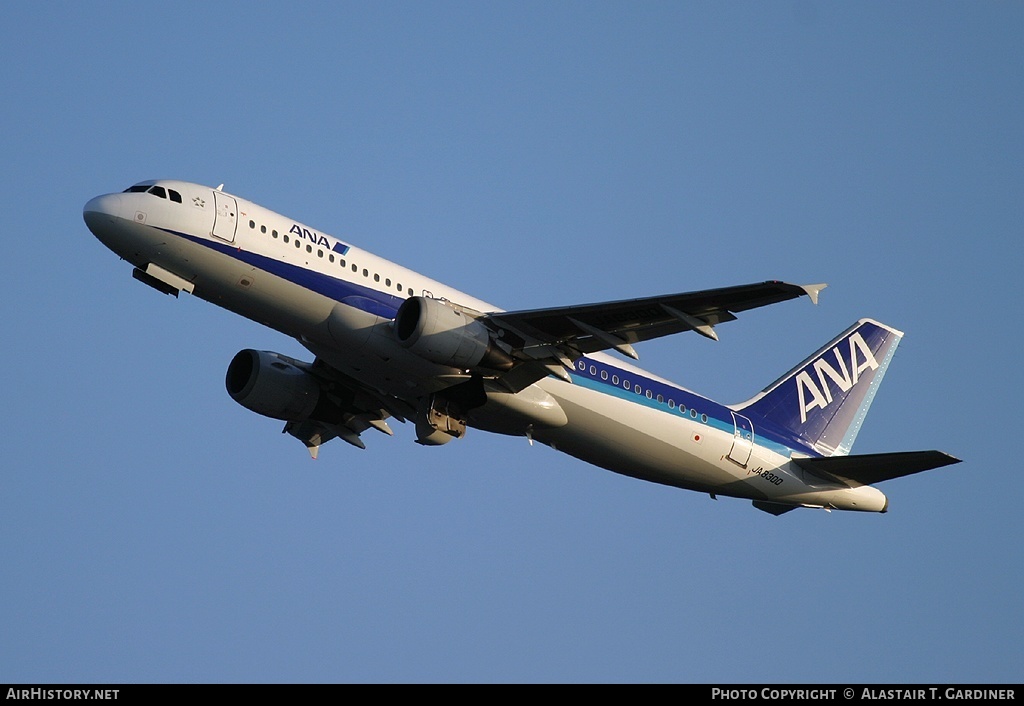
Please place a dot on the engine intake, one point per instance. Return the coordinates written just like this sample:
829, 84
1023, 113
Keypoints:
272, 385
433, 330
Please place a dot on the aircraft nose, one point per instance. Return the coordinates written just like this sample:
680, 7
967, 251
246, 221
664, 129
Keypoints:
105, 205
101, 211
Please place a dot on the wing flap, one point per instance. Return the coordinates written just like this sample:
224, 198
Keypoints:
868, 469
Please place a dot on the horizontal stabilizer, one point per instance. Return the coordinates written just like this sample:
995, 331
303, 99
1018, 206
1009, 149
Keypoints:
868, 469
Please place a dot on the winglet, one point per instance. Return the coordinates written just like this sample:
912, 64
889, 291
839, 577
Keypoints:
813, 290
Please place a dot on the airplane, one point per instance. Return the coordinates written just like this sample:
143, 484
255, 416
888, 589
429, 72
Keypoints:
389, 343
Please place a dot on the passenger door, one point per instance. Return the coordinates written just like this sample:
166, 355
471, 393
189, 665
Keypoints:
225, 219
742, 440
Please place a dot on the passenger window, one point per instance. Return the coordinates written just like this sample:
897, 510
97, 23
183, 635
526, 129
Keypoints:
175, 196
309, 248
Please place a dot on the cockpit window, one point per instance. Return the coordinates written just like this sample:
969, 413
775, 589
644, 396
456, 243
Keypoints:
158, 191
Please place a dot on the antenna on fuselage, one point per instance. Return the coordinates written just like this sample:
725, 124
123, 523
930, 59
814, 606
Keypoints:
220, 188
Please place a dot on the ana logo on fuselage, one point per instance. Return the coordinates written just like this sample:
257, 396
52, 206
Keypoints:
819, 394
321, 240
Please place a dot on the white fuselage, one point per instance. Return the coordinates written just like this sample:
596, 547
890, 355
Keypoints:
339, 302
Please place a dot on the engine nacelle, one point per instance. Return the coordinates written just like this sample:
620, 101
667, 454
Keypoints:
433, 330
272, 385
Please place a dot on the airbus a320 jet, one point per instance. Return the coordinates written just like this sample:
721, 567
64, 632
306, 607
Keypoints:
391, 344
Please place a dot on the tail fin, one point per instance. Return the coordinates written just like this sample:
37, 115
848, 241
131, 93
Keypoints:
822, 402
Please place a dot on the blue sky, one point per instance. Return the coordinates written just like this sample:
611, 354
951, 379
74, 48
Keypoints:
533, 154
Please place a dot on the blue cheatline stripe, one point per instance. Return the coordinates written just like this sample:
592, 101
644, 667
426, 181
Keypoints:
718, 416
340, 290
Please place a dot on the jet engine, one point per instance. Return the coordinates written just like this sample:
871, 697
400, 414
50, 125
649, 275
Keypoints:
444, 335
275, 386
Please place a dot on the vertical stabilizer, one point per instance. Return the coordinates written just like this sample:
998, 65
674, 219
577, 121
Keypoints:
823, 401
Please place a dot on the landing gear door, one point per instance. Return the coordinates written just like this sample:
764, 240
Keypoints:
742, 440
225, 220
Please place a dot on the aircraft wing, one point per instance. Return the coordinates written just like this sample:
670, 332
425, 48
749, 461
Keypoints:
347, 410
561, 335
